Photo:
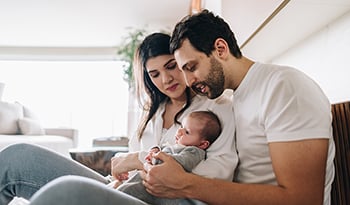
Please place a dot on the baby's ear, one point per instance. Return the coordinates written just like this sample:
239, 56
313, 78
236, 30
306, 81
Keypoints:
204, 144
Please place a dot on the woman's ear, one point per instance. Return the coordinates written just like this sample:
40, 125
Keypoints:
221, 48
204, 144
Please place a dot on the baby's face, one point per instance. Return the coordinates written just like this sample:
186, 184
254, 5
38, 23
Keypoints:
189, 133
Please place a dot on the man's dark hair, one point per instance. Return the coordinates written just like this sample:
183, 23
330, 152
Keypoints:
202, 29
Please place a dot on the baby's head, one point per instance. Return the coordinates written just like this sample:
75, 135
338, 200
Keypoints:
199, 128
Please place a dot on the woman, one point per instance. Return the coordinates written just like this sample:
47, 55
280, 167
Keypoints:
168, 99
26, 168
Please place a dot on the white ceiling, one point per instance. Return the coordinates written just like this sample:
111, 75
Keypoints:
82, 23
102, 24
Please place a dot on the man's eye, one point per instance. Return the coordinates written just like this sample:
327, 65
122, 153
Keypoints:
191, 69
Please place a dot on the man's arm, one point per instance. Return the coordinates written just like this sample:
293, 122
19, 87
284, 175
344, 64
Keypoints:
299, 167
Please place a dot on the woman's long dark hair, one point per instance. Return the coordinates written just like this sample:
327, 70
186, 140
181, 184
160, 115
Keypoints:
153, 45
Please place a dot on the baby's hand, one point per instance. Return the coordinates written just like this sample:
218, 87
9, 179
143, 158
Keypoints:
123, 176
150, 154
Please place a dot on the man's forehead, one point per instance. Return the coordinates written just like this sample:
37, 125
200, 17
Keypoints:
184, 53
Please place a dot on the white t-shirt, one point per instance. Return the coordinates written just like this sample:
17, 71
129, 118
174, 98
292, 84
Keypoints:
278, 104
221, 155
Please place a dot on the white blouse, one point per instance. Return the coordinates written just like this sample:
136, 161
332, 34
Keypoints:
222, 157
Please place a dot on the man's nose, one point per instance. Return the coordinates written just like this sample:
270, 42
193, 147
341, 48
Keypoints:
189, 78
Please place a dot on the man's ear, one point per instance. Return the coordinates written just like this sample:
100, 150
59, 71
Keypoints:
204, 144
221, 48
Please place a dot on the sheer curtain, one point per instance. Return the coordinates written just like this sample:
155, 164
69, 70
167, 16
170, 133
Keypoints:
90, 96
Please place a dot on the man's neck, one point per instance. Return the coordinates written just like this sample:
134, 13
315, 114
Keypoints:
236, 71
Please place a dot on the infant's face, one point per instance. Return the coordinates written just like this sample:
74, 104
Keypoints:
189, 133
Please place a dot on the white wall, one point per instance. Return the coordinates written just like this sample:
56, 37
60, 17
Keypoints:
86, 95
325, 56
2, 86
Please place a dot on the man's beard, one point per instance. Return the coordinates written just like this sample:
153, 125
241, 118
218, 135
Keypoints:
215, 80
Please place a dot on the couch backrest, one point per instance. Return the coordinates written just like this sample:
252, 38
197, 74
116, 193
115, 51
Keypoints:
340, 194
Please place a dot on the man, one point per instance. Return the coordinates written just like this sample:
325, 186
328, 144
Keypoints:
283, 124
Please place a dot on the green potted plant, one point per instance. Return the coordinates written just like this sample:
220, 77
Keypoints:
126, 50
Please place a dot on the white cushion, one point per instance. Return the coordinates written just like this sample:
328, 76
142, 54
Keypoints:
28, 113
29, 126
59, 144
9, 114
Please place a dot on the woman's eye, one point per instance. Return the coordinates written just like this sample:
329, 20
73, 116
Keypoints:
153, 75
171, 66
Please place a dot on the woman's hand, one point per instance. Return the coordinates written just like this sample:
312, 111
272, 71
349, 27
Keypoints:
157, 180
114, 184
123, 163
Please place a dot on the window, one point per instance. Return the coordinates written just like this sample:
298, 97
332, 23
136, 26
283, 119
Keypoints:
90, 96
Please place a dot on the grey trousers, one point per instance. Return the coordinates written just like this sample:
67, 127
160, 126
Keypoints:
24, 169
76, 190
47, 178
134, 187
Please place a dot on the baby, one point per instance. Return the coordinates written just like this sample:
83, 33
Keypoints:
198, 131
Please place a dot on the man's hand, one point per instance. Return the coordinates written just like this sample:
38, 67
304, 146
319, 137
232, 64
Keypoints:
159, 182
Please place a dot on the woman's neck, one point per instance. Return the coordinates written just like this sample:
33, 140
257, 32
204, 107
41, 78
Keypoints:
172, 107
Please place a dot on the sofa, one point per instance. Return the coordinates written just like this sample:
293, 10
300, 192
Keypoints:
18, 124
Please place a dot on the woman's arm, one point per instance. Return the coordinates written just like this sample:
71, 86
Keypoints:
299, 167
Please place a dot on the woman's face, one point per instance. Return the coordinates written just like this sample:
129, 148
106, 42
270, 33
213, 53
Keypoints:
166, 76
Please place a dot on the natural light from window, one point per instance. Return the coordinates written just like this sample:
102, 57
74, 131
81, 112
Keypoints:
90, 96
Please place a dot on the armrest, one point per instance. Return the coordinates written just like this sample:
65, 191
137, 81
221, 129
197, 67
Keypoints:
66, 132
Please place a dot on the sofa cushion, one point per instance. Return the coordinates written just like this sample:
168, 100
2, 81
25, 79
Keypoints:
28, 113
9, 114
56, 143
28, 126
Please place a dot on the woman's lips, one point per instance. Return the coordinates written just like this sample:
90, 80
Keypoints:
172, 88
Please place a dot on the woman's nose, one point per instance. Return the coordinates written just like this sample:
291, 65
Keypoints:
167, 78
